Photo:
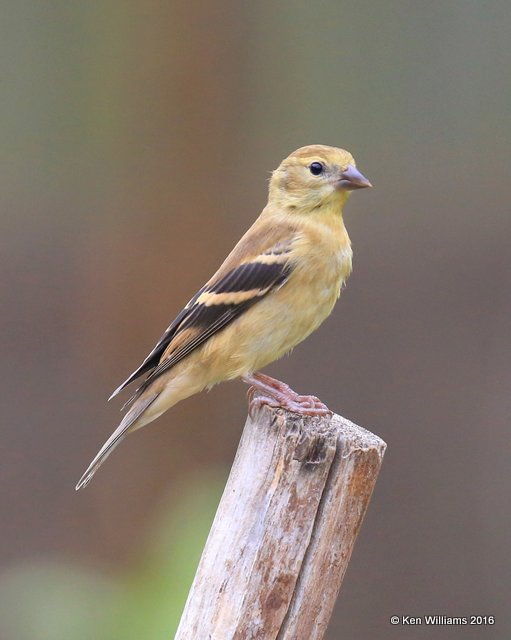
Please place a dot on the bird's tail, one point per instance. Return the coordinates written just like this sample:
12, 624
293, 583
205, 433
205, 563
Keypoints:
127, 424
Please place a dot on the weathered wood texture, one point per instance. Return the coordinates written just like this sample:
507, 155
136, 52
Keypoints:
284, 530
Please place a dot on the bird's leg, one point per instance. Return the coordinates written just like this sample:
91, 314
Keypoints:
278, 394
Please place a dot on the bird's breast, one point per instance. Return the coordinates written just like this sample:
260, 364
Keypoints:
323, 259
319, 276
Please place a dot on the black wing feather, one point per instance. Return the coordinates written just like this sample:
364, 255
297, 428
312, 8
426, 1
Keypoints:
251, 275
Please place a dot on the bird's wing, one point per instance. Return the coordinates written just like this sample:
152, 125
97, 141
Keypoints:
259, 264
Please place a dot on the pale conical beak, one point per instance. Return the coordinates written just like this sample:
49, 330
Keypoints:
351, 179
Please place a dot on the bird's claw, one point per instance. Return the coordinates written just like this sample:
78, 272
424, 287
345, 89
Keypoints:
274, 393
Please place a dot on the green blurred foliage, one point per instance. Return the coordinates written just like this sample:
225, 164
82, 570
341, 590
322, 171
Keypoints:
59, 600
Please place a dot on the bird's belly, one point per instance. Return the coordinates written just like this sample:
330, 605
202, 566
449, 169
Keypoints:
290, 319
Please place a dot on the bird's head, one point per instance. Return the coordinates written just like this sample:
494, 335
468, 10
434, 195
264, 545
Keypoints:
315, 176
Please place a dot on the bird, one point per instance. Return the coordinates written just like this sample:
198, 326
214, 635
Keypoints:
278, 284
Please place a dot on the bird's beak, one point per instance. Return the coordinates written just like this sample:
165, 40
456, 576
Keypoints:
351, 179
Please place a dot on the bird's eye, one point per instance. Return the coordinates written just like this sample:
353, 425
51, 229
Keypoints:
316, 168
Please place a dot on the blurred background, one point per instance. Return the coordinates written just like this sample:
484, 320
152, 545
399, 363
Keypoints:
137, 140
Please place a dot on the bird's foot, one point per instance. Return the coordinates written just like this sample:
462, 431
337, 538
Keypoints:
278, 394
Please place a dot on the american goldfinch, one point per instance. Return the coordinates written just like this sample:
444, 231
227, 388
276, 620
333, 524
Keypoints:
276, 287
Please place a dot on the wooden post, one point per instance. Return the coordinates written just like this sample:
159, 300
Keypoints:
284, 530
